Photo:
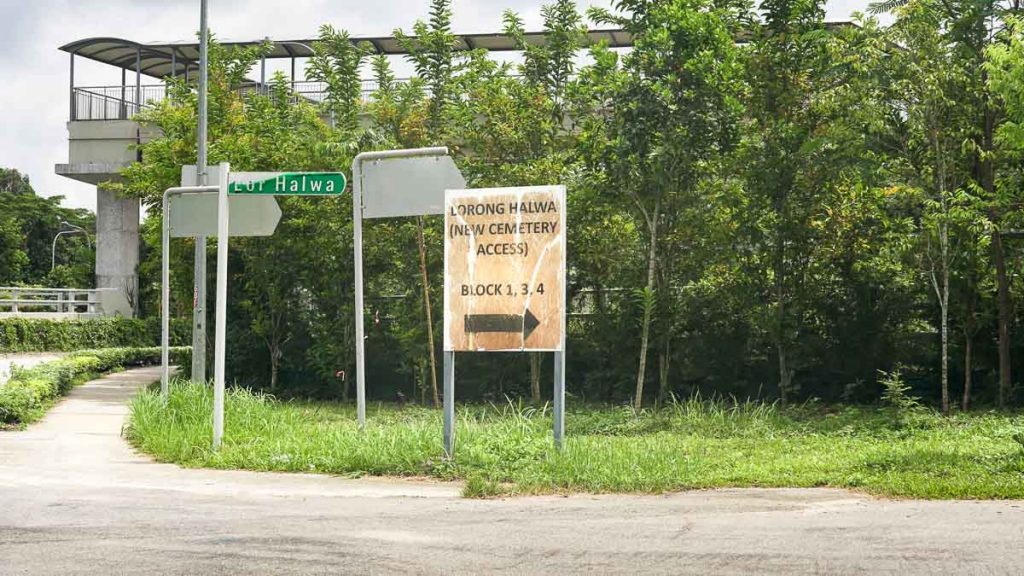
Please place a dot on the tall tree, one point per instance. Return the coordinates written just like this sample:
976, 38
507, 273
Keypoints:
675, 110
432, 53
337, 63
1005, 79
969, 28
787, 72
932, 82
516, 127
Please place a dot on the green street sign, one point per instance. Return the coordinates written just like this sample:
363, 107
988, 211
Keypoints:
287, 183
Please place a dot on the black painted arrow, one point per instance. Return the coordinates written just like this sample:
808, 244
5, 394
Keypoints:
526, 323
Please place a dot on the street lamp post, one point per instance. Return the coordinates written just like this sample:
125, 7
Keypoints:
74, 230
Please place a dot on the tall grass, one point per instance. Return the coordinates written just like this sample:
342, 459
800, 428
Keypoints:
507, 448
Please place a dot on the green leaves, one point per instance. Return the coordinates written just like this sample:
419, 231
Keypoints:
28, 225
337, 64
782, 197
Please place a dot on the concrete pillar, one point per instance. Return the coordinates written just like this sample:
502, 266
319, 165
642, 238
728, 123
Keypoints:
117, 244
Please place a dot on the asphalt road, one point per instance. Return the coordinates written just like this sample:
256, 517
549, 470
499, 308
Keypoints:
74, 499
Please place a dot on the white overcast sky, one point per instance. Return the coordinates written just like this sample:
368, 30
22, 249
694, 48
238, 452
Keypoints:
34, 73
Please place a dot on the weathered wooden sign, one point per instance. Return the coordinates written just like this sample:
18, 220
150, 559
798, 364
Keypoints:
504, 260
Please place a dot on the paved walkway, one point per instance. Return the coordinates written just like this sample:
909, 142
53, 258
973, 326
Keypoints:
74, 498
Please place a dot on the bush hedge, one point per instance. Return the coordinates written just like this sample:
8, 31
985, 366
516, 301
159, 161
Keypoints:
36, 335
30, 391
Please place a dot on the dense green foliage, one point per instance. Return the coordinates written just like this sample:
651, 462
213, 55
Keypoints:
36, 335
28, 224
506, 449
30, 391
783, 217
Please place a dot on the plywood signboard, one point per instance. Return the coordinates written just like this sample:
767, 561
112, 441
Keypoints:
504, 264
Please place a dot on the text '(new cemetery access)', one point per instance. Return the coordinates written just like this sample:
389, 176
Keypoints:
515, 208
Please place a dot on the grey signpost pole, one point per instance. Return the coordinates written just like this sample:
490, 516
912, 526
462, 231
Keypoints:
357, 247
559, 403
449, 404
221, 319
199, 282
165, 277
558, 428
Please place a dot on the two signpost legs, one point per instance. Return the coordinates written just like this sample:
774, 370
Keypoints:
200, 211
400, 183
449, 402
222, 290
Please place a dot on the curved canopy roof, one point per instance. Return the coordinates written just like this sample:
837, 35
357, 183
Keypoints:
161, 59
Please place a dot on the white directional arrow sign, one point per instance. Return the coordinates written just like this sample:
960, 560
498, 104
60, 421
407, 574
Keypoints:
408, 186
196, 215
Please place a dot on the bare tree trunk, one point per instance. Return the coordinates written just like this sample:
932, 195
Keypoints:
664, 360
423, 383
965, 405
1004, 311
426, 306
942, 292
274, 345
275, 361
785, 374
945, 330
535, 360
988, 183
645, 332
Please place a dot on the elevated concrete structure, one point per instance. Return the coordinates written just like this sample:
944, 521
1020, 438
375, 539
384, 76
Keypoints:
117, 244
97, 153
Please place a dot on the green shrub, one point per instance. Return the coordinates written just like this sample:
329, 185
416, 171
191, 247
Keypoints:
29, 392
37, 335
18, 403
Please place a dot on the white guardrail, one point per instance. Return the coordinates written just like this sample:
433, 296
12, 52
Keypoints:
62, 303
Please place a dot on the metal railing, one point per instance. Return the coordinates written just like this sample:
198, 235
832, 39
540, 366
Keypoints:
61, 303
24, 301
113, 102
124, 102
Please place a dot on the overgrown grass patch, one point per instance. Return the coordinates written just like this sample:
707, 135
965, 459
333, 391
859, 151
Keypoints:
507, 449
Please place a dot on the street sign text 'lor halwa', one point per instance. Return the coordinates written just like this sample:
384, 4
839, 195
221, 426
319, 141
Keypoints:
505, 269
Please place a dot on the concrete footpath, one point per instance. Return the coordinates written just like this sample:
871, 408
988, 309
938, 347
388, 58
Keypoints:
75, 499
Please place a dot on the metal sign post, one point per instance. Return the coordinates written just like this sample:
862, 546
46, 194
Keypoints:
221, 313
165, 277
504, 282
190, 211
245, 184
199, 270
392, 183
